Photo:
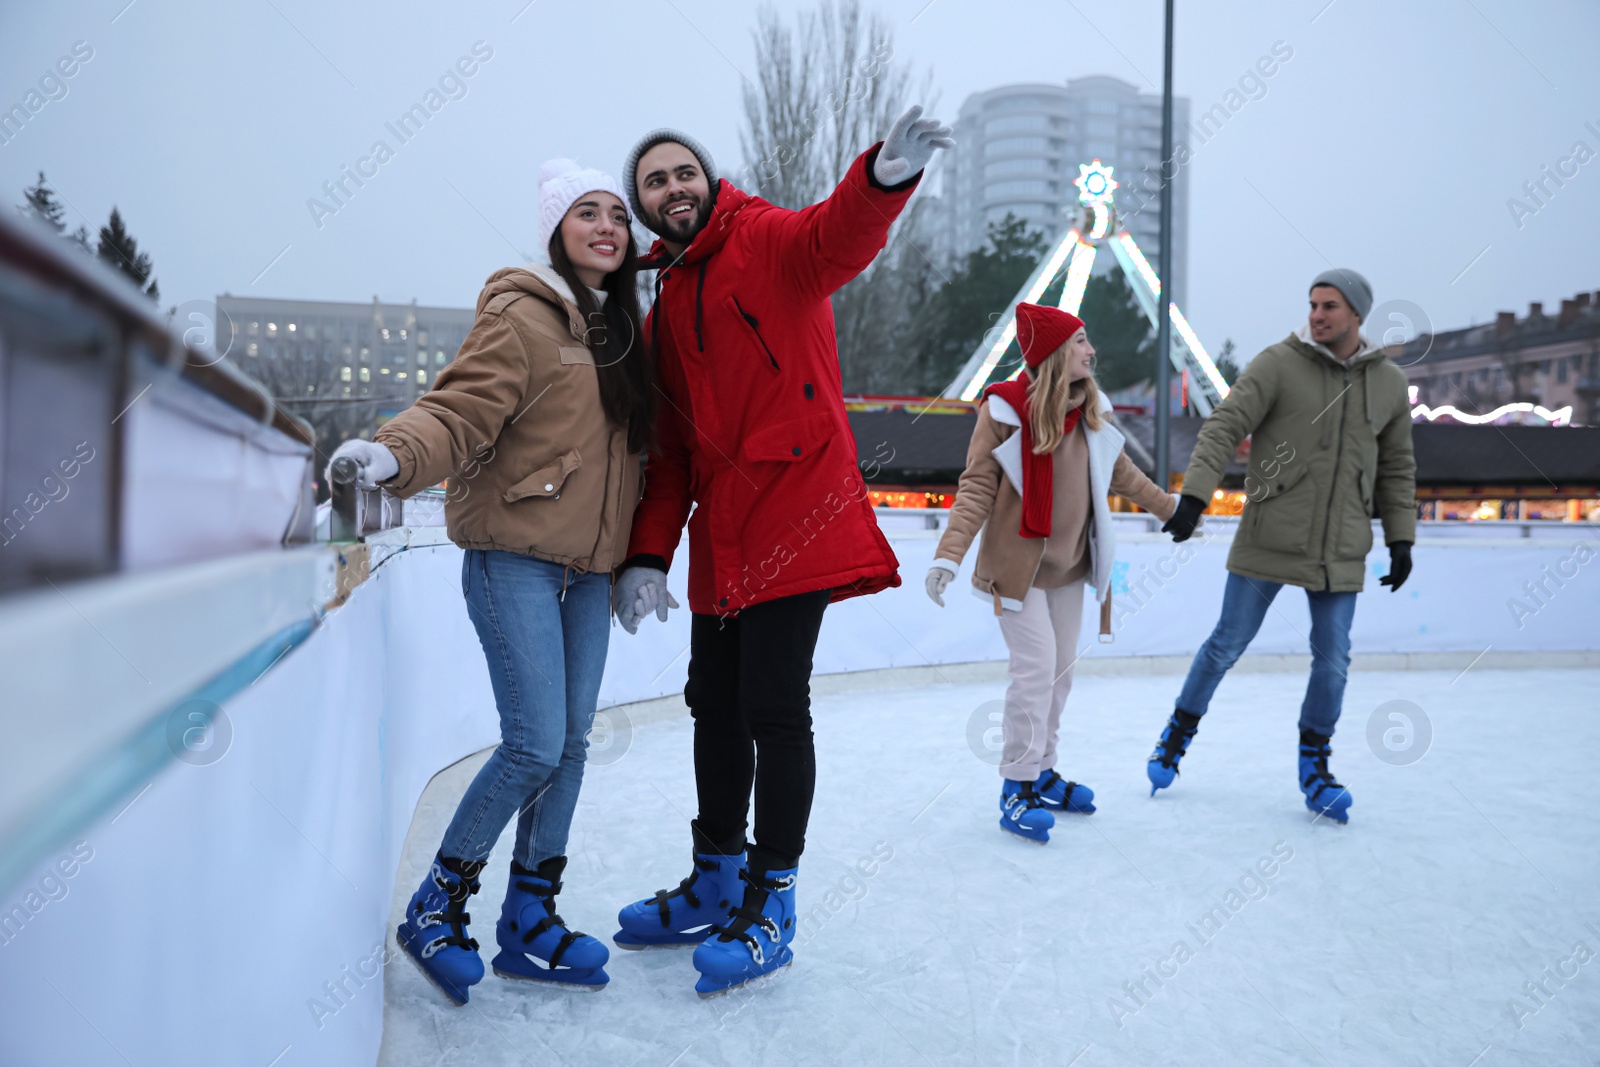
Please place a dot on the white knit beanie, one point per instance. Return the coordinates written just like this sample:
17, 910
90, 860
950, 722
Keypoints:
561, 182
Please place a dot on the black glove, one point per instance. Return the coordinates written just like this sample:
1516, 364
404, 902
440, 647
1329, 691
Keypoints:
1181, 525
1399, 566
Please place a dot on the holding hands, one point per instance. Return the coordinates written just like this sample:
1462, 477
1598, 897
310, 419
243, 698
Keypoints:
639, 591
1183, 522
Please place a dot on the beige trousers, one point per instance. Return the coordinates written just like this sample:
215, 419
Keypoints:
1043, 639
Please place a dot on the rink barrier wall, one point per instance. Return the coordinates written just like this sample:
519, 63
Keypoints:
658, 709
303, 815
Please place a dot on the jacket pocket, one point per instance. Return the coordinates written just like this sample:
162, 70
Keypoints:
1355, 526
1281, 520
791, 441
755, 329
547, 480
572, 355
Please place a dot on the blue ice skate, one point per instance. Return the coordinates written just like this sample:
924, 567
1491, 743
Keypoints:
1058, 794
1022, 812
685, 915
529, 930
1163, 765
1324, 795
753, 938
434, 934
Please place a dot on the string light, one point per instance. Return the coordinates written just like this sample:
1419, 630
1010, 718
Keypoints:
1558, 417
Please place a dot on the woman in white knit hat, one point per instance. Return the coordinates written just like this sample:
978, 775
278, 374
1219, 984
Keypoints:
538, 426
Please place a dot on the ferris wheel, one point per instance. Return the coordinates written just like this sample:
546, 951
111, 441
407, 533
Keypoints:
1075, 254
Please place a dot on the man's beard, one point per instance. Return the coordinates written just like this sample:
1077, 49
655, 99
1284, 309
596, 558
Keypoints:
680, 229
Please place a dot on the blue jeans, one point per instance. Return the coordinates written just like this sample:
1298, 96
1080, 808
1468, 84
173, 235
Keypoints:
1244, 605
546, 653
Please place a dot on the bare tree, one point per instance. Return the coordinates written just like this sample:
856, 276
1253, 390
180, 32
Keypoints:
829, 87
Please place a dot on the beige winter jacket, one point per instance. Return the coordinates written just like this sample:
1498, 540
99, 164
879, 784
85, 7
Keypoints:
515, 424
986, 499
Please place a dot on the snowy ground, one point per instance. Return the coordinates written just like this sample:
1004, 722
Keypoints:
1406, 937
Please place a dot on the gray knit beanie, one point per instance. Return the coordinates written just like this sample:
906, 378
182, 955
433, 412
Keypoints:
649, 141
1357, 292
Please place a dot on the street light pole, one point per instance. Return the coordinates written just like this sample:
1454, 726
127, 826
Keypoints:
1164, 321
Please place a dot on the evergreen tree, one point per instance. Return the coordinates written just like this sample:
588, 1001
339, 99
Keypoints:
1226, 366
1125, 345
969, 304
118, 248
43, 205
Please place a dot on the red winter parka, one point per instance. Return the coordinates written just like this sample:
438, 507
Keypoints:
752, 431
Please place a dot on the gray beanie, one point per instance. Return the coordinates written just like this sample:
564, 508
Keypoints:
1357, 292
649, 141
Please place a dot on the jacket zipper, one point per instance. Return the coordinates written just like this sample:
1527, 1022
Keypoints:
755, 328
699, 289
1333, 485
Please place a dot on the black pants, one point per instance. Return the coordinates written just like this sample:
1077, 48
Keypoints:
749, 691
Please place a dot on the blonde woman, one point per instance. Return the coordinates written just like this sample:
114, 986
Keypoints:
1042, 460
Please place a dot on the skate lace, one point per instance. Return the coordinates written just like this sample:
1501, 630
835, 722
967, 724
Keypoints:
663, 899
546, 892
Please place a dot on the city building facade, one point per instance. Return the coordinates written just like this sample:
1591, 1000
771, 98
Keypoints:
1018, 149
344, 368
1549, 360
316, 349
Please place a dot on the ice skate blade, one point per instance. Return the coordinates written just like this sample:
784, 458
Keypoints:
1023, 837
683, 940
451, 997
583, 987
713, 994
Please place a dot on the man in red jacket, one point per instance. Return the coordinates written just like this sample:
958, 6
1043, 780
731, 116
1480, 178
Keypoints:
753, 436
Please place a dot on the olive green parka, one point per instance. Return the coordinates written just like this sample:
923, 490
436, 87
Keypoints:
1330, 450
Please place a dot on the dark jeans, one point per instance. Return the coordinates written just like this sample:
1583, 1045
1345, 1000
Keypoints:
749, 691
1244, 606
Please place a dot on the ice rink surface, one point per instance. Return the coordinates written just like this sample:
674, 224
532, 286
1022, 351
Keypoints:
1409, 936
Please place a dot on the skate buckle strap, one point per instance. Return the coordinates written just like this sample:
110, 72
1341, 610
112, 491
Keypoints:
1048, 781
551, 921
1019, 804
749, 914
663, 898
1174, 743
1319, 769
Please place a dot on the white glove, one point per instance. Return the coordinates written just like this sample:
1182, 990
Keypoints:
938, 580
376, 463
909, 147
639, 591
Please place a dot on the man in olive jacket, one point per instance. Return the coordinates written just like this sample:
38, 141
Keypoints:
1330, 425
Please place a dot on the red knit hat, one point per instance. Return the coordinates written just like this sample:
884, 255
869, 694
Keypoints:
1042, 330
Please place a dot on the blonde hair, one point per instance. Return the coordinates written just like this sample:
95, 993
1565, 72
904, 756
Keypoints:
1050, 394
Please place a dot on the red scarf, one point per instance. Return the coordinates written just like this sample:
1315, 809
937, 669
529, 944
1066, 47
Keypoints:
1038, 471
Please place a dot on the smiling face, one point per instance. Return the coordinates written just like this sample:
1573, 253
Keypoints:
1080, 356
594, 234
1333, 323
674, 195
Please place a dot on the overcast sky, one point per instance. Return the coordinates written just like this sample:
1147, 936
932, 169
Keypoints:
1391, 142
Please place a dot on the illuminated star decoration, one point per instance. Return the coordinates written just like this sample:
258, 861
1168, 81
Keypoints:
1095, 183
